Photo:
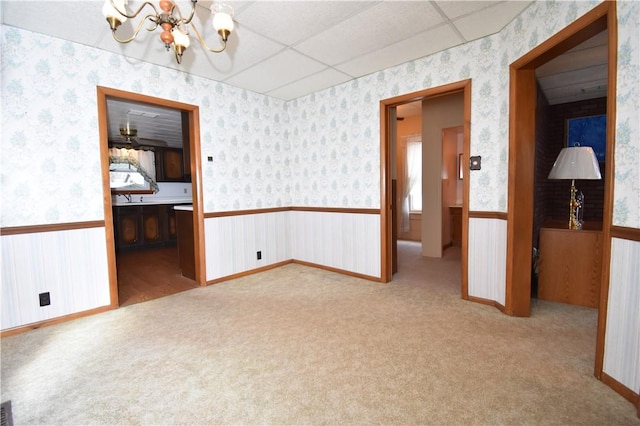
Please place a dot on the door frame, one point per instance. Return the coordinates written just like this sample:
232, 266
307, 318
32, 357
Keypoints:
522, 102
522, 119
193, 113
386, 114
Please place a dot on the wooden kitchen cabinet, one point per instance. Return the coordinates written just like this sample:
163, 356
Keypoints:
186, 250
170, 165
152, 223
138, 227
172, 226
127, 227
569, 266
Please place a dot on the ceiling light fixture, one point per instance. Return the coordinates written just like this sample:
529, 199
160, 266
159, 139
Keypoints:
175, 32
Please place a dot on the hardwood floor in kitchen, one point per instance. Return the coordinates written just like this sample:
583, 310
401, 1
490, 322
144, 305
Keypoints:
149, 274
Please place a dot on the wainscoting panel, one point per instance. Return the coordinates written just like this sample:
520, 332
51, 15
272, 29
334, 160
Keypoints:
487, 259
71, 265
232, 242
341, 240
622, 338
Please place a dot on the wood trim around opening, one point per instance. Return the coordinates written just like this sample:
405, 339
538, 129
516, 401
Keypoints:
601, 17
611, 22
385, 168
522, 102
196, 177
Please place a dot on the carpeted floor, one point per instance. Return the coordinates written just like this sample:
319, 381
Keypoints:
298, 345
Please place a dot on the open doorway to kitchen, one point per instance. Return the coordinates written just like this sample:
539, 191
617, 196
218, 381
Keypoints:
146, 236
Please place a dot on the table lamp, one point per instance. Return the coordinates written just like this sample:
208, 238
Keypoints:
576, 162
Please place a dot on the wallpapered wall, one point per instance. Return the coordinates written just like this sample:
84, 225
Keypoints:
319, 150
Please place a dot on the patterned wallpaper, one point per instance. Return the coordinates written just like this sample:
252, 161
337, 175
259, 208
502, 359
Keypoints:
319, 150
626, 196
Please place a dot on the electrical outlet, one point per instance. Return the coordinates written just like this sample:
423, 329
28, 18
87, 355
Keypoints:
259, 254
210, 159
45, 299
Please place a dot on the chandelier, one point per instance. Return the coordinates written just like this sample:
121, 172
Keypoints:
175, 32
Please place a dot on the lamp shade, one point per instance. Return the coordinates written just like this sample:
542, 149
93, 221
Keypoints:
111, 12
222, 17
180, 38
576, 162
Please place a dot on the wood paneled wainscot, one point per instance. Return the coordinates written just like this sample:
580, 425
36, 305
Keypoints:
569, 265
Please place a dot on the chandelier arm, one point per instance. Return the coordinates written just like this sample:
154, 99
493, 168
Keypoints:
138, 28
135, 14
191, 15
204, 44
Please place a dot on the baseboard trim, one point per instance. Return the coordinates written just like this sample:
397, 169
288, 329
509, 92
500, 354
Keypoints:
484, 301
337, 270
249, 272
57, 320
298, 262
626, 393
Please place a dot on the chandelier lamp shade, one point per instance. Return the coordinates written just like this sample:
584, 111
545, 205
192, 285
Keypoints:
175, 27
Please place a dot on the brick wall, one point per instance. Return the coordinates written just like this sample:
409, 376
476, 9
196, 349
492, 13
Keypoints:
544, 158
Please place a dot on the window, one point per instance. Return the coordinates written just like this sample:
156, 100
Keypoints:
132, 170
414, 175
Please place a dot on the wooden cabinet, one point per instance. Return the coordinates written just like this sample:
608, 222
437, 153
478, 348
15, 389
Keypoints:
569, 266
186, 250
170, 165
144, 226
152, 224
172, 226
127, 228
455, 215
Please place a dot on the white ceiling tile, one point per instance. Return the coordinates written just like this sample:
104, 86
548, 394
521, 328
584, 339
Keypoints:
490, 20
582, 75
360, 37
573, 60
32, 16
379, 26
421, 45
244, 49
289, 22
456, 9
283, 68
313, 83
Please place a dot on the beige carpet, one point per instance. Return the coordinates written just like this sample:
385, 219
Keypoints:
297, 345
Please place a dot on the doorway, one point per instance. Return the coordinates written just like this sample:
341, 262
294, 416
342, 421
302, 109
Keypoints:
522, 124
522, 121
389, 210
149, 223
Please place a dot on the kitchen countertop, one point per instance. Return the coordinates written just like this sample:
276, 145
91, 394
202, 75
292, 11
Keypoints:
135, 201
184, 207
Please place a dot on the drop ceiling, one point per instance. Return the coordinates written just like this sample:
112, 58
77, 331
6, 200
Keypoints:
284, 49
288, 49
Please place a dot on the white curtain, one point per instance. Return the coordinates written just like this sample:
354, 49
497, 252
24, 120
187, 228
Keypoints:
140, 165
412, 156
